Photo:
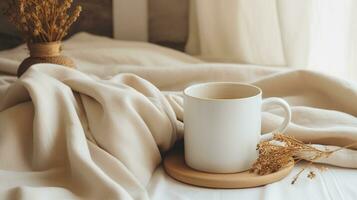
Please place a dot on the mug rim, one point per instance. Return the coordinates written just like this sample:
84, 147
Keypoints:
186, 90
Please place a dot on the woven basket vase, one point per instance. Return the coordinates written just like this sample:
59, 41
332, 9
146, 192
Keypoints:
44, 53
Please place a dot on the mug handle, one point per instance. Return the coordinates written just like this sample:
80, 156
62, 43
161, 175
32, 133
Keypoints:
281, 129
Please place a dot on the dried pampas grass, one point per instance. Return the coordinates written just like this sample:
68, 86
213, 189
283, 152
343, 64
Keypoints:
42, 20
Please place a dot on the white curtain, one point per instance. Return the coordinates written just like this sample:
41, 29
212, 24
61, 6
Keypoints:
314, 34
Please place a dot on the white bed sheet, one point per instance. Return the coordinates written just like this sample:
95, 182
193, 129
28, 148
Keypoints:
331, 184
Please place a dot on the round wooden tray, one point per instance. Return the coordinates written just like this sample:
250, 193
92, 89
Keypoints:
175, 166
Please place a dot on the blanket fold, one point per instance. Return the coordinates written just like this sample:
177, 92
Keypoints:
105, 136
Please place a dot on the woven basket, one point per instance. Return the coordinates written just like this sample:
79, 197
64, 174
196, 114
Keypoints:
44, 53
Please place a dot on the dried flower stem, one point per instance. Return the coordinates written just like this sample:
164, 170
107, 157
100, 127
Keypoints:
298, 174
282, 149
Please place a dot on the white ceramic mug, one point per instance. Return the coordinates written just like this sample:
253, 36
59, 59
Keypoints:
223, 125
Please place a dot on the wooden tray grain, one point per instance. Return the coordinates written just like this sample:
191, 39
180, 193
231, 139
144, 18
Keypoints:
176, 167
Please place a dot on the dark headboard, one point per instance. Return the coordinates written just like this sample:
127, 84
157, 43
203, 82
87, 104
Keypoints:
168, 22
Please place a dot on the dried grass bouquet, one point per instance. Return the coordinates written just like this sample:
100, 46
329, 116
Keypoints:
277, 153
42, 21
43, 24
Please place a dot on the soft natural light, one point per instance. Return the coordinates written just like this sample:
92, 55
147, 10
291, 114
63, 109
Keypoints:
311, 34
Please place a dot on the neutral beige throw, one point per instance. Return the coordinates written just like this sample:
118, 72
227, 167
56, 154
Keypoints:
65, 134
101, 139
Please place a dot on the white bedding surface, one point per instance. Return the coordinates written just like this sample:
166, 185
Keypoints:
324, 112
332, 184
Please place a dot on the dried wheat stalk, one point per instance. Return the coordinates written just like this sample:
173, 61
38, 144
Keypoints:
42, 20
283, 149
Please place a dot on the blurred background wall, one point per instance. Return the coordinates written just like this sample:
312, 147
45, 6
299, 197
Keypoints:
168, 22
